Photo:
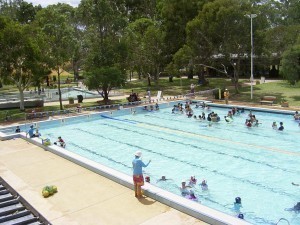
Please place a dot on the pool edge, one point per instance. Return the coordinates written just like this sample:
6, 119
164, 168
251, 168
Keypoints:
179, 203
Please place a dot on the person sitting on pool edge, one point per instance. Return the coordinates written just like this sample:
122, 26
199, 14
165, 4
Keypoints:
37, 133
61, 142
30, 132
18, 130
281, 128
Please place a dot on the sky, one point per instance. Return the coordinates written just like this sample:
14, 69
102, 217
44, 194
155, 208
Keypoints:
44, 3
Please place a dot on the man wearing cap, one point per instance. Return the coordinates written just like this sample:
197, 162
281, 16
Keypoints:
138, 178
226, 96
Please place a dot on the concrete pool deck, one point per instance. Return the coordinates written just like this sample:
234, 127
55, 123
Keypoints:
83, 197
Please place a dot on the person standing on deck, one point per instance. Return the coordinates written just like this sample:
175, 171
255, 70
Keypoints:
226, 96
138, 179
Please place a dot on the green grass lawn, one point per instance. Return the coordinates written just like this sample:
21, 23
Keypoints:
281, 89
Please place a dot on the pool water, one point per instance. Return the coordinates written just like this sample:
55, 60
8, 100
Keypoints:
257, 164
67, 93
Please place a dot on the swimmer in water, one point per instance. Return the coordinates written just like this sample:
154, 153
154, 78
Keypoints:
193, 180
192, 196
237, 204
204, 185
296, 208
240, 216
227, 119
163, 178
281, 128
147, 179
184, 188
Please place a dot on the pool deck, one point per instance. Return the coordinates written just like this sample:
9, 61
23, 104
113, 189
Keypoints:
83, 196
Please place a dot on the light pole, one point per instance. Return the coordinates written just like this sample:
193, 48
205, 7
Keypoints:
251, 16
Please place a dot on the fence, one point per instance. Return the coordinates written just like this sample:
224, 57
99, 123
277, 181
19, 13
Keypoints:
76, 110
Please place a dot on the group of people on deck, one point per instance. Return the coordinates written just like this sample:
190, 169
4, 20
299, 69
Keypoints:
33, 132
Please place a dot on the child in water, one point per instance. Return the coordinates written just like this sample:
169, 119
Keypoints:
204, 185
192, 196
193, 180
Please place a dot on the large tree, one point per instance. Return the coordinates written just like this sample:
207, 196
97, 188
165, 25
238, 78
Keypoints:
145, 39
222, 31
21, 56
291, 64
174, 16
103, 79
55, 21
103, 23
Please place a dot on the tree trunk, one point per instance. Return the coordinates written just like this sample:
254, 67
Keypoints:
156, 77
149, 79
75, 69
236, 75
190, 73
59, 91
22, 105
48, 82
105, 96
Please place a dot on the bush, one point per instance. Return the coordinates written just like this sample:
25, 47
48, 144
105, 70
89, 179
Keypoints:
71, 100
79, 98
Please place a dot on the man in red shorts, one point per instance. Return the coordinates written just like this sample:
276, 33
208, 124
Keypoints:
138, 178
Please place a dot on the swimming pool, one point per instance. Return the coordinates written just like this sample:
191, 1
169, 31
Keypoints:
52, 94
257, 164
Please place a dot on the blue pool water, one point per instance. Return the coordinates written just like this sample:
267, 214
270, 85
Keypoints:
257, 164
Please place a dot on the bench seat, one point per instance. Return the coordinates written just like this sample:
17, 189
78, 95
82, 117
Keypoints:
266, 102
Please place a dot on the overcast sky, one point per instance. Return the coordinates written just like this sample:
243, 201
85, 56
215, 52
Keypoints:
44, 3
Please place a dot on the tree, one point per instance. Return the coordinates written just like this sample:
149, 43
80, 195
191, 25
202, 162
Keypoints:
134, 39
103, 23
291, 64
222, 31
21, 56
19, 10
174, 16
55, 23
104, 79
137, 9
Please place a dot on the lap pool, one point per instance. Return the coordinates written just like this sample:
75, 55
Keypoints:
257, 164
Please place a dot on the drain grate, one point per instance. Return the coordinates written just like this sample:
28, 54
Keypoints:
15, 210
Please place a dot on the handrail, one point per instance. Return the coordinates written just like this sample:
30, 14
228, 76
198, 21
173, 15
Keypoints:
284, 220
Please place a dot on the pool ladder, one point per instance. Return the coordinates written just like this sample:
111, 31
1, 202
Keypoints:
281, 220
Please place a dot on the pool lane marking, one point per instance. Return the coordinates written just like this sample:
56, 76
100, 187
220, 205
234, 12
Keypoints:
200, 148
193, 164
219, 139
